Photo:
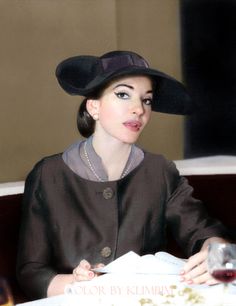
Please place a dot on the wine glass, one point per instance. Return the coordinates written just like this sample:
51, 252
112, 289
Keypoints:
5, 293
222, 262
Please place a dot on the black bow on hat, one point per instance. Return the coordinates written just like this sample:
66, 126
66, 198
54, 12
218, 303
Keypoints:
82, 75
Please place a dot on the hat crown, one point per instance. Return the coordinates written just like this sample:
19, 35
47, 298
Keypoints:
116, 60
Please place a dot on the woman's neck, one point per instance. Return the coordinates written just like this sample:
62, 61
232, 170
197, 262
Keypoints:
114, 155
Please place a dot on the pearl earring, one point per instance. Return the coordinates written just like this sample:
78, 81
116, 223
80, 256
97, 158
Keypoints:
95, 117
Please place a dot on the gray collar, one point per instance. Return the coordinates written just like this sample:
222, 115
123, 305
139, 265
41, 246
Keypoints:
76, 159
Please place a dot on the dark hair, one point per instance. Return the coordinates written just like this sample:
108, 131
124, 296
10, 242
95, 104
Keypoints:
85, 122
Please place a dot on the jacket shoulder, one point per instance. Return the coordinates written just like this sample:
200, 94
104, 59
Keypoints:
45, 164
161, 162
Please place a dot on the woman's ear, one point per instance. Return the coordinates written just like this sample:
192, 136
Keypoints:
93, 108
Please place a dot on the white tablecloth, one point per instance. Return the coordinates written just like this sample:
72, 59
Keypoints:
141, 290
211, 165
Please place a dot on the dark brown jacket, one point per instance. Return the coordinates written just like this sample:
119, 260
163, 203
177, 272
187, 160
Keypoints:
67, 218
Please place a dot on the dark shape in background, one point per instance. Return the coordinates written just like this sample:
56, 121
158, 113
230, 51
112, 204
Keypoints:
209, 71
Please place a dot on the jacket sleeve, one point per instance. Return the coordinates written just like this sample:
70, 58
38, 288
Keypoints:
34, 266
186, 216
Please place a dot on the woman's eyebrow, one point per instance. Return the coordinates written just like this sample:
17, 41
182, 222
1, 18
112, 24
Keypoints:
131, 87
126, 85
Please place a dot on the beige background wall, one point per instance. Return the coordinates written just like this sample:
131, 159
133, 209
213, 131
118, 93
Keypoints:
36, 117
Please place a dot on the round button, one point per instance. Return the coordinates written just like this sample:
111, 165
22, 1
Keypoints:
108, 193
106, 252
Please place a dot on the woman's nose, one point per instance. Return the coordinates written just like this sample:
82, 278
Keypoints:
138, 108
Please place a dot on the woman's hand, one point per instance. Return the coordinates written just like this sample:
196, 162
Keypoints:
195, 269
83, 271
80, 273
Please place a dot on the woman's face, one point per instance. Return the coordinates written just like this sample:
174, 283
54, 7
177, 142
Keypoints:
124, 108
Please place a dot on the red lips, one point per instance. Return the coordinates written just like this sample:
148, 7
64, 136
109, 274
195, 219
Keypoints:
133, 125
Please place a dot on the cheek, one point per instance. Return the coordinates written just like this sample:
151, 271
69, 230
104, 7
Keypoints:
106, 113
107, 116
111, 110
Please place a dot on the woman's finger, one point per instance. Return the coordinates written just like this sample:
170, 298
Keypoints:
82, 271
99, 265
84, 264
81, 274
196, 271
195, 261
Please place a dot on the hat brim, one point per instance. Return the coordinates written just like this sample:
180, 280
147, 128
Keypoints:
170, 95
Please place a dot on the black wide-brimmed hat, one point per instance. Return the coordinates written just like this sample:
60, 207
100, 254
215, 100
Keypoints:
83, 75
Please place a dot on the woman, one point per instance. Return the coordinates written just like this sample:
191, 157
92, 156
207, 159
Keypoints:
105, 196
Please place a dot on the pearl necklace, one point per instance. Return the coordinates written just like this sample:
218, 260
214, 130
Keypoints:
124, 173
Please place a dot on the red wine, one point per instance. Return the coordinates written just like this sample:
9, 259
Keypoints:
224, 275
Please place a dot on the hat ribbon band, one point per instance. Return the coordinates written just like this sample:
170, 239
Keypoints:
111, 64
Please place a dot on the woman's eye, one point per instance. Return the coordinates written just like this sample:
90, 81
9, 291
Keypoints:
147, 101
122, 95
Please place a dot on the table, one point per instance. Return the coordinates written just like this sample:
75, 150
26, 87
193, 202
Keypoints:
138, 290
211, 165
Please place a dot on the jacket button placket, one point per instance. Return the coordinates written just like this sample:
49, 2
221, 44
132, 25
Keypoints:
108, 193
106, 252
